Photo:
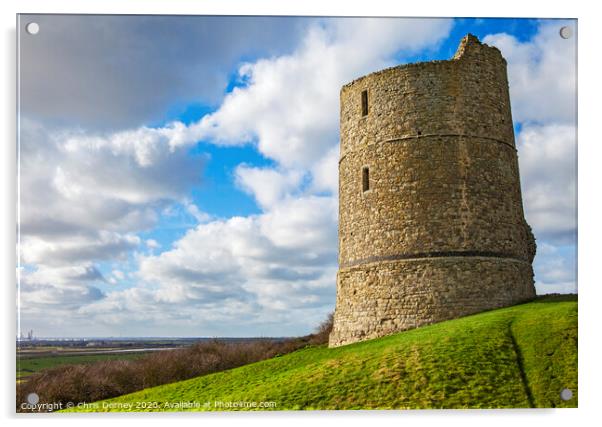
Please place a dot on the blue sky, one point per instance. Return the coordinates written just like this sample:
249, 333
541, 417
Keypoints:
184, 183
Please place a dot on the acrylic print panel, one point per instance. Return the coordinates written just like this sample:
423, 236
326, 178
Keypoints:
322, 213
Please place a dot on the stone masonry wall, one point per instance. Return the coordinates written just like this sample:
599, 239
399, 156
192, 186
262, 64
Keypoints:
440, 231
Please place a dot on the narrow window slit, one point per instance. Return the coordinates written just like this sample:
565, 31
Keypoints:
364, 103
365, 179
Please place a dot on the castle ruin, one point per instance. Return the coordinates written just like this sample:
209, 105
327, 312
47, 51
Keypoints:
431, 222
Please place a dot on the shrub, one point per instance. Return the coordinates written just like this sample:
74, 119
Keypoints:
111, 378
323, 331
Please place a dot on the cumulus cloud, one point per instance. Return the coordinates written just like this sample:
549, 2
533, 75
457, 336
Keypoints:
268, 185
289, 245
556, 269
76, 184
140, 311
288, 105
192, 210
263, 270
152, 243
325, 172
116, 276
58, 288
542, 73
548, 164
100, 246
82, 201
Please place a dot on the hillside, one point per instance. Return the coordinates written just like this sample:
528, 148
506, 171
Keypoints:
520, 356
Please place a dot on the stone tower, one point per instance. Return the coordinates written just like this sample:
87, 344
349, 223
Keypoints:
431, 222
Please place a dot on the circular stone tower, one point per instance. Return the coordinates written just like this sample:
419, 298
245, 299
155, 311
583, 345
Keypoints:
431, 222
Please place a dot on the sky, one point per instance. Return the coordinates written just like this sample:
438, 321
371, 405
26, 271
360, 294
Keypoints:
178, 175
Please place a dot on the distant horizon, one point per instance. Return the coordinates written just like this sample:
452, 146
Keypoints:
83, 338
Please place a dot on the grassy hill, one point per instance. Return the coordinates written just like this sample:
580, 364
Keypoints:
520, 356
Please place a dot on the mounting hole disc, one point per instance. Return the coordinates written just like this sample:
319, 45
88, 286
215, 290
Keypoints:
32, 28
566, 32
33, 398
566, 394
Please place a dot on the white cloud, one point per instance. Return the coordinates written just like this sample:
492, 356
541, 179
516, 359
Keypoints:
268, 185
68, 250
59, 288
306, 224
83, 199
555, 269
152, 243
325, 172
74, 184
289, 104
118, 274
264, 269
548, 165
542, 73
290, 244
196, 213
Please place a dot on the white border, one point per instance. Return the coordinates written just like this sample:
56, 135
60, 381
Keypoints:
589, 191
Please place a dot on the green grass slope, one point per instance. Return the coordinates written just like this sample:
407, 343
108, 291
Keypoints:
520, 356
